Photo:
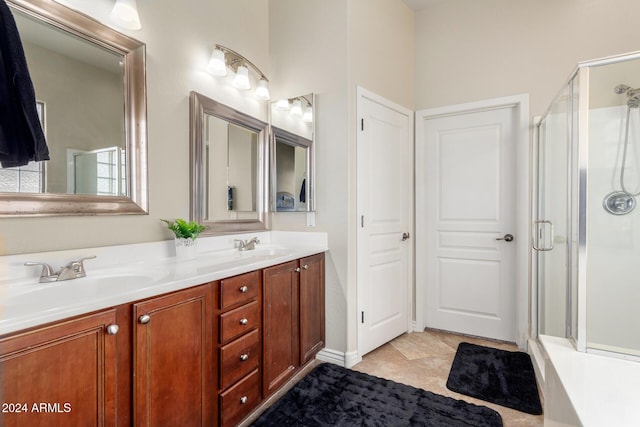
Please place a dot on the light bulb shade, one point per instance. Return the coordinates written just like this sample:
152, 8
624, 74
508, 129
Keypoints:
262, 91
125, 12
217, 64
283, 105
296, 108
307, 117
241, 80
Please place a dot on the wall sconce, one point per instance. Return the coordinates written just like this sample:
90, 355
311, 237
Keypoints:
223, 58
297, 107
125, 13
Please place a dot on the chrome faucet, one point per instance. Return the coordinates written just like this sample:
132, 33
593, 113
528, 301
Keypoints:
247, 245
73, 270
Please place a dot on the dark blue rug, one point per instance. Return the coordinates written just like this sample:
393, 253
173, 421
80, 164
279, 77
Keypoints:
334, 396
498, 376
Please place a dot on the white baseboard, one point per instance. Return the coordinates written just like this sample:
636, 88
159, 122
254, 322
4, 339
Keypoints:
346, 360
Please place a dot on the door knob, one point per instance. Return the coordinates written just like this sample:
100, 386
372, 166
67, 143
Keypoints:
506, 237
144, 319
112, 329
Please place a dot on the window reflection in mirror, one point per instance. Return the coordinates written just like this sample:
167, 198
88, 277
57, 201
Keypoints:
82, 86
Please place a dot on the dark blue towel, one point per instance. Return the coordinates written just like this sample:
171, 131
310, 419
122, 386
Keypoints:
21, 137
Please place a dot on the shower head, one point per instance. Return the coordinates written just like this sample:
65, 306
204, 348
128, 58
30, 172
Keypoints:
620, 89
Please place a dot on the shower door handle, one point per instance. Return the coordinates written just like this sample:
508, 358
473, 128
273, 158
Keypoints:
506, 238
540, 227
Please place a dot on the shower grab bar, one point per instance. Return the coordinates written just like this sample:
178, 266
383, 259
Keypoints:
539, 228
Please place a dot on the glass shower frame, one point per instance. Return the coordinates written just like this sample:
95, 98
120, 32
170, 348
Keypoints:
571, 250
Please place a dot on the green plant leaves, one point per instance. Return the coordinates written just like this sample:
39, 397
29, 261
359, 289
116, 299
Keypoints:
183, 229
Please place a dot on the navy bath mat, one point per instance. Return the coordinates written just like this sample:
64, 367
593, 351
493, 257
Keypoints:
498, 376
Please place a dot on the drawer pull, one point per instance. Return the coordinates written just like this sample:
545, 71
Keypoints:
144, 319
297, 269
244, 357
243, 321
112, 329
244, 289
305, 266
243, 400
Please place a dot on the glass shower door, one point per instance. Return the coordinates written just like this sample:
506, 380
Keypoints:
552, 229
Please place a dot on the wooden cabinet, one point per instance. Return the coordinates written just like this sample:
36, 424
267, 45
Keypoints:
61, 375
311, 307
239, 314
202, 356
173, 359
280, 305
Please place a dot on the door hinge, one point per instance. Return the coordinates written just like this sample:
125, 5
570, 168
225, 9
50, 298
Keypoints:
362, 316
361, 221
361, 124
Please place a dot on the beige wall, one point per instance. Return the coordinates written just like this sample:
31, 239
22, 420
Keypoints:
469, 50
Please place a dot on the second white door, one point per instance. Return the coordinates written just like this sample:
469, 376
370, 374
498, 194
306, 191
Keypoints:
466, 221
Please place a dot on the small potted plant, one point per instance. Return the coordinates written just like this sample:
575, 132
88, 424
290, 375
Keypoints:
185, 237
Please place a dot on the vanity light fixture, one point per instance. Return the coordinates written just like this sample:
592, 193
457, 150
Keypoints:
125, 12
296, 108
223, 58
307, 116
283, 105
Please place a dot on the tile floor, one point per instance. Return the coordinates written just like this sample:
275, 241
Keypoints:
423, 359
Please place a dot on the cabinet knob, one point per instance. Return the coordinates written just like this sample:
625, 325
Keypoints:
305, 266
144, 319
244, 289
297, 269
244, 357
243, 321
112, 329
244, 399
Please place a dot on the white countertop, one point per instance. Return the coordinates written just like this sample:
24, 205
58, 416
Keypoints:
603, 390
127, 273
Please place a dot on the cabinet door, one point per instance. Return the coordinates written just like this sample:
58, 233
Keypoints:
173, 355
61, 375
280, 327
311, 306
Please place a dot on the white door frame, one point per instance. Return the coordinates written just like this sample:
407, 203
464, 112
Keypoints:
362, 94
523, 200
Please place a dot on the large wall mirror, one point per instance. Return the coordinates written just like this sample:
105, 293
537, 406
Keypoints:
91, 96
229, 191
292, 154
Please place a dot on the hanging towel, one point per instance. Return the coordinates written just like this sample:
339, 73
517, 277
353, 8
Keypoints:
303, 191
21, 137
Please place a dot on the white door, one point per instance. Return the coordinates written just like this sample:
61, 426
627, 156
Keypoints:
467, 217
384, 203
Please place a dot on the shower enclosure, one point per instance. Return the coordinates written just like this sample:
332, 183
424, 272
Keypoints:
586, 225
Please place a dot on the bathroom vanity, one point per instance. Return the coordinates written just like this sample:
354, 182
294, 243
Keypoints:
205, 353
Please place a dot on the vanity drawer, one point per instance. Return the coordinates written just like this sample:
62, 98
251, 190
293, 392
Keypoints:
239, 400
239, 289
238, 321
239, 358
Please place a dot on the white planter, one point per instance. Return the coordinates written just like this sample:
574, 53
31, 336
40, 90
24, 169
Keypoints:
186, 249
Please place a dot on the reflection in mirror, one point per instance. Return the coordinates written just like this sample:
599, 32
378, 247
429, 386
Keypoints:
292, 154
90, 85
228, 168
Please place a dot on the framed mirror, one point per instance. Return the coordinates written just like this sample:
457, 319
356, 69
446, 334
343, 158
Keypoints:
228, 150
292, 154
90, 87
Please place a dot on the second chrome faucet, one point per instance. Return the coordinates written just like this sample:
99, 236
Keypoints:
247, 245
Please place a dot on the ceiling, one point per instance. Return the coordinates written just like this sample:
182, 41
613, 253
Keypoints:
421, 4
